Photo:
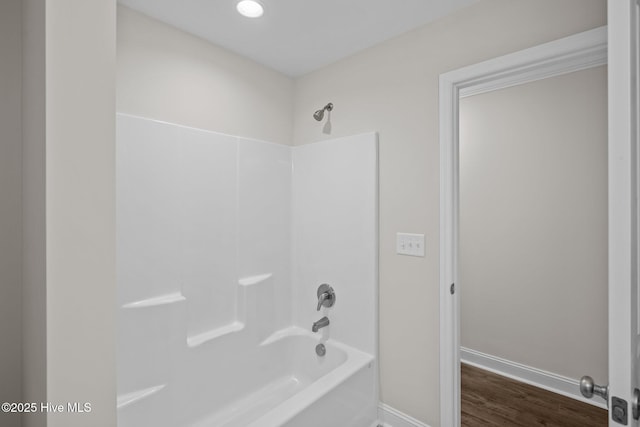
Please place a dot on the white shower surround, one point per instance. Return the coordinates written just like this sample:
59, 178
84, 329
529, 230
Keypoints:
222, 243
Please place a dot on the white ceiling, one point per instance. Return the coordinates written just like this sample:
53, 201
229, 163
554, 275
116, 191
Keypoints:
298, 36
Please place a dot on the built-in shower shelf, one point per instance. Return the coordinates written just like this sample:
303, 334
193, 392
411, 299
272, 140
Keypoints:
135, 396
155, 301
285, 332
254, 280
196, 340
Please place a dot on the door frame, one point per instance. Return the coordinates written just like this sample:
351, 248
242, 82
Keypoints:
623, 91
577, 52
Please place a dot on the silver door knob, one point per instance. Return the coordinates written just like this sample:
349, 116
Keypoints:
588, 388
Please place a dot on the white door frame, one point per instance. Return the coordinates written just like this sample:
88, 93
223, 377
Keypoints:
623, 17
573, 53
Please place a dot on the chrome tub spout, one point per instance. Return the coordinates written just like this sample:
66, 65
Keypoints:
320, 324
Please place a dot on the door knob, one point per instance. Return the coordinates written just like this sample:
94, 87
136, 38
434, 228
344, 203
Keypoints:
588, 388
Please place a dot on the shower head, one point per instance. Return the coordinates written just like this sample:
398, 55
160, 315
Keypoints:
319, 115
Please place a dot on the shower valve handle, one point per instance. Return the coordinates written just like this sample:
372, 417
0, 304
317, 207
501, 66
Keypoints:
326, 296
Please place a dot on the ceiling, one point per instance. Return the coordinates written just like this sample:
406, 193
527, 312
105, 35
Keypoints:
298, 36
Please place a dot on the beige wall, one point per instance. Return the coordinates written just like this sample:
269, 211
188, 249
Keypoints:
68, 172
80, 209
68, 209
169, 75
10, 207
533, 224
393, 88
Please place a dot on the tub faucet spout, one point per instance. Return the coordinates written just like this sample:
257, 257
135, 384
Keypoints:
320, 324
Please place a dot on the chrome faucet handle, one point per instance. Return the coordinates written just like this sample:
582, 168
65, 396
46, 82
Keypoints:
321, 300
326, 296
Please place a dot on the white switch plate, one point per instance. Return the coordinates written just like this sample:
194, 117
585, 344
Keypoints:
410, 244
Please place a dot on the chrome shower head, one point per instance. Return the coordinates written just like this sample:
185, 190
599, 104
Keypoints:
319, 115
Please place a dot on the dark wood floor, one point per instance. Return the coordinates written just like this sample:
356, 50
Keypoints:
493, 400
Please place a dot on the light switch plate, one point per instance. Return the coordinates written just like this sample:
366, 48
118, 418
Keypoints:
410, 244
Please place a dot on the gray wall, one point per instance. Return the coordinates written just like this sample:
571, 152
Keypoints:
33, 206
10, 207
393, 88
533, 224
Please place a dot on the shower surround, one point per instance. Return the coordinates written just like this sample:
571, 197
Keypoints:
222, 243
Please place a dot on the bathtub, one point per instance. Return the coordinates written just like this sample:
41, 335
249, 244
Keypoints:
282, 382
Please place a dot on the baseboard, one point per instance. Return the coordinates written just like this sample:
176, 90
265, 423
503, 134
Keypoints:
526, 374
391, 417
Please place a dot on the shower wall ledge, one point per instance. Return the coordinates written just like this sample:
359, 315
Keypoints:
156, 301
136, 396
285, 332
254, 280
199, 339
245, 283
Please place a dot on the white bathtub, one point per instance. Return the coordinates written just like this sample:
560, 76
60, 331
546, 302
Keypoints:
280, 383
287, 386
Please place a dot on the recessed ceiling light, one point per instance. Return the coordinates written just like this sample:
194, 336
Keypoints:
250, 8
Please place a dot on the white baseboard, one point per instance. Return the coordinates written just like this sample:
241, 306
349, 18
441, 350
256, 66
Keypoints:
391, 417
526, 374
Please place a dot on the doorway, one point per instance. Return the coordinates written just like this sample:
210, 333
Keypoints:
533, 250
580, 52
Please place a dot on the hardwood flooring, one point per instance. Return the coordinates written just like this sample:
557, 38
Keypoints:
493, 400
